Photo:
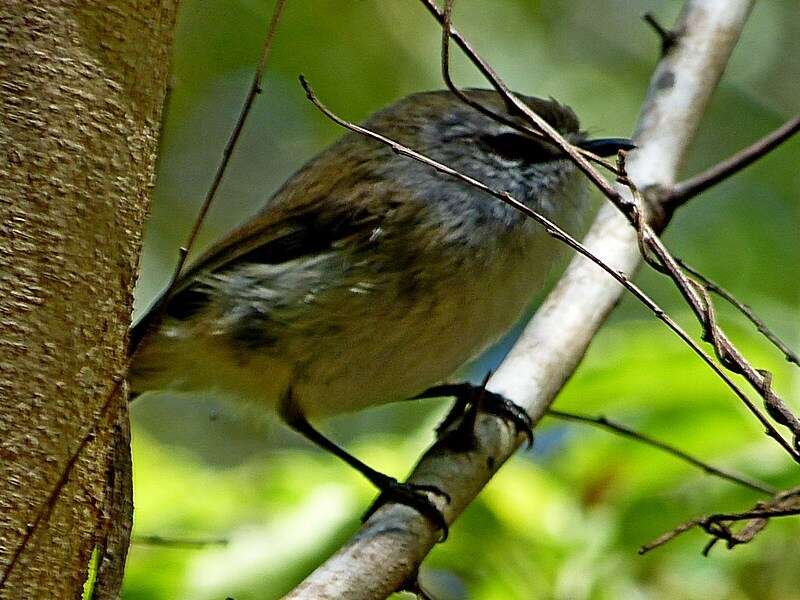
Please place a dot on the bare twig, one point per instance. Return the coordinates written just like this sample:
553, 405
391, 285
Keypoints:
447, 32
392, 543
686, 190
485, 69
515, 106
157, 310
252, 92
670, 535
783, 504
666, 36
711, 286
171, 542
655, 254
624, 430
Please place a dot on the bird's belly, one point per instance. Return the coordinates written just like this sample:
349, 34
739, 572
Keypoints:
356, 347
396, 349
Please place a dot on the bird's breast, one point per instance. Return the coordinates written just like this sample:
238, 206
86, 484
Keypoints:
410, 329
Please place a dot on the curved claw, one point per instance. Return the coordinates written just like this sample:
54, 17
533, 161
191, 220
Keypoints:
502, 407
469, 397
413, 495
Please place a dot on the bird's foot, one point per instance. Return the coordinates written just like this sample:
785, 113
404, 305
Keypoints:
471, 399
413, 495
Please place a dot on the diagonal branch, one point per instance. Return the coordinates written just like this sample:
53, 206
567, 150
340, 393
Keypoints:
686, 190
656, 255
388, 549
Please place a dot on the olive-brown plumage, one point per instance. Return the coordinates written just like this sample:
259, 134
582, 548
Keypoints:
368, 277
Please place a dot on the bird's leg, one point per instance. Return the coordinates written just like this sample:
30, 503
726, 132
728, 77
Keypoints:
391, 490
413, 586
456, 412
469, 400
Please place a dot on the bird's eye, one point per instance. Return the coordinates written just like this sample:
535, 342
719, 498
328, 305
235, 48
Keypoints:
513, 146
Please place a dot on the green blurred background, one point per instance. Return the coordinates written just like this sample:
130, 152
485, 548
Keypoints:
562, 521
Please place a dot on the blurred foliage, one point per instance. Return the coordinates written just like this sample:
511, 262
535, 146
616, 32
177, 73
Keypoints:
565, 520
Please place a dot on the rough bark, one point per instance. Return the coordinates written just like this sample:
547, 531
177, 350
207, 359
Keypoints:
388, 549
82, 84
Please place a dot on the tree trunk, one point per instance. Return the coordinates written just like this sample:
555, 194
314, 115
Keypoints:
82, 84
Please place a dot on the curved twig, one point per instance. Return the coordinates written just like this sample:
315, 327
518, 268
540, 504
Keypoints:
790, 355
782, 504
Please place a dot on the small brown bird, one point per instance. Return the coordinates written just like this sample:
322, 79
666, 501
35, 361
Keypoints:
369, 277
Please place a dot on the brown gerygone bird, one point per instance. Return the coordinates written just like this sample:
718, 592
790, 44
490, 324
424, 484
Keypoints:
369, 277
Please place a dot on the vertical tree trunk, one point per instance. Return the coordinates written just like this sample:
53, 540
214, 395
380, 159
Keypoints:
81, 88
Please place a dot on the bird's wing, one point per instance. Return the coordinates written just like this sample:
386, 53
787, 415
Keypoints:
273, 237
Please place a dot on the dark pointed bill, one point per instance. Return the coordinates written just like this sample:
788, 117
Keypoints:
607, 146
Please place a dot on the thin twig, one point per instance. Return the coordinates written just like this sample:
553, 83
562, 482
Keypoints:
624, 430
783, 504
171, 542
512, 102
666, 36
688, 189
447, 32
670, 535
252, 92
156, 312
711, 286
556, 232
485, 69
754, 514
656, 255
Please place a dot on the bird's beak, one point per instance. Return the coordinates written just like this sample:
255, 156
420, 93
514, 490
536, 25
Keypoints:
607, 146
